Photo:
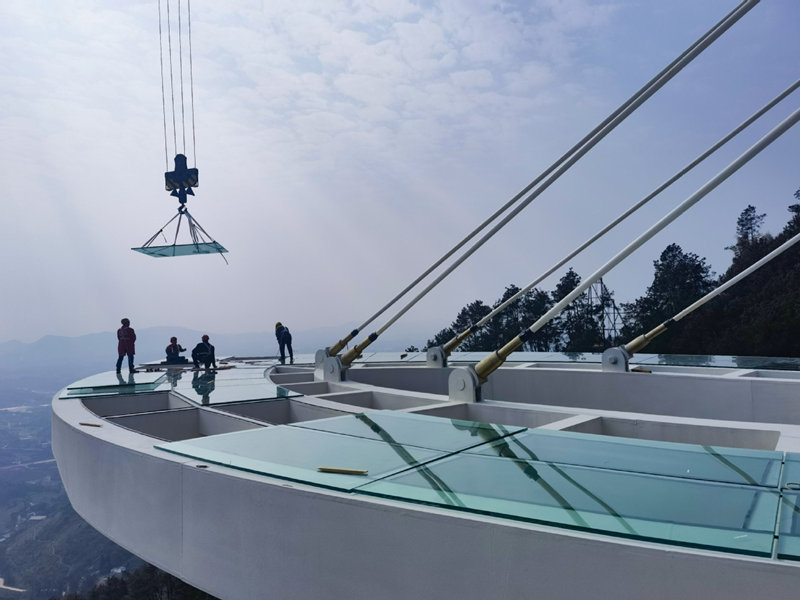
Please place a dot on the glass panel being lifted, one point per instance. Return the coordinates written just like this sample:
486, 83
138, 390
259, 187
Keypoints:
181, 249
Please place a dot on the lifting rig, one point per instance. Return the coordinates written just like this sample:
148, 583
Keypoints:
180, 181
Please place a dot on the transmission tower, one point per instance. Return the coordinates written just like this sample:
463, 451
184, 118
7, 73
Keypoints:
601, 302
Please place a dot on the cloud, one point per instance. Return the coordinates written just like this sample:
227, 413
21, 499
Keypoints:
342, 147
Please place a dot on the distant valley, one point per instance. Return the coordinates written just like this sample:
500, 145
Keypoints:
46, 549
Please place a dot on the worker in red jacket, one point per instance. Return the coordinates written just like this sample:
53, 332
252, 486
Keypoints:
127, 338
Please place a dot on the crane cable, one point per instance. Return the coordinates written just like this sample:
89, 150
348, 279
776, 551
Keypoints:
555, 171
163, 98
191, 80
492, 362
180, 73
172, 84
459, 338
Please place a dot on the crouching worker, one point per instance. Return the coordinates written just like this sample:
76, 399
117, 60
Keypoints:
204, 353
173, 352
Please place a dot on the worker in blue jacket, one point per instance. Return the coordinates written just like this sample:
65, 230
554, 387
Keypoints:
284, 342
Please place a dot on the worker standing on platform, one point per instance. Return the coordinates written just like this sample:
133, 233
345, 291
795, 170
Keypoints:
284, 338
126, 345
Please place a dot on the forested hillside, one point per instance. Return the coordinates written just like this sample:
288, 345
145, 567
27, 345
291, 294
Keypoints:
759, 316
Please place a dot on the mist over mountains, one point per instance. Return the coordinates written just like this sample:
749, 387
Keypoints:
45, 547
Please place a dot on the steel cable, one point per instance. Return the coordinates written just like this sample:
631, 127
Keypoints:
562, 165
180, 73
163, 98
191, 80
746, 123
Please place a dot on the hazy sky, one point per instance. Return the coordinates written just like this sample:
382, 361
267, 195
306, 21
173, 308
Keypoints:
344, 145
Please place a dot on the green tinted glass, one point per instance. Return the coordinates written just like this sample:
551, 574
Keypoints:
730, 465
791, 472
116, 383
677, 511
297, 453
181, 249
201, 387
416, 430
789, 532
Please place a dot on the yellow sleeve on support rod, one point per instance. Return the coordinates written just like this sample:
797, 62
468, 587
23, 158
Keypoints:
495, 360
355, 352
456, 341
640, 342
338, 346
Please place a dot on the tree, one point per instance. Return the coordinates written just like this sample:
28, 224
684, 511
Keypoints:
534, 304
750, 244
680, 278
577, 329
792, 228
467, 316
508, 323
748, 227
578, 325
441, 338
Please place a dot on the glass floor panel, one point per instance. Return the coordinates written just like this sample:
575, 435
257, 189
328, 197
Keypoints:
111, 382
789, 532
186, 381
239, 373
236, 376
791, 472
202, 388
425, 431
296, 453
677, 511
181, 249
689, 461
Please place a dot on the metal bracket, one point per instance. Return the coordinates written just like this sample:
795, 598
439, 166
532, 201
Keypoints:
464, 385
331, 369
436, 357
616, 360
320, 356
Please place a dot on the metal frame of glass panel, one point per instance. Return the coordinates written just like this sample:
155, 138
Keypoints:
181, 249
202, 243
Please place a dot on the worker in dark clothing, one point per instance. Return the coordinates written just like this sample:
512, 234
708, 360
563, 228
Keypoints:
204, 384
126, 345
204, 353
174, 376
173, 352
284, 342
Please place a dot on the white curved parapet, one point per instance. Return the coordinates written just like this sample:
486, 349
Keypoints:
218, 481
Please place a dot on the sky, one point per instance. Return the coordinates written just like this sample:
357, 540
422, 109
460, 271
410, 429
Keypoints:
344, 146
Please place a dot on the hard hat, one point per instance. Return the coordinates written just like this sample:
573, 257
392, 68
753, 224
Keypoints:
205, 337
